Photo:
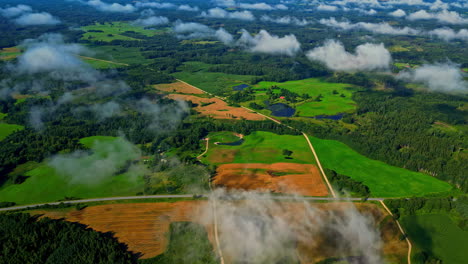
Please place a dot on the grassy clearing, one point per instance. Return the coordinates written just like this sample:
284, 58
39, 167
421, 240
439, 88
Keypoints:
45, 184
7, 129
330, 103
260, 147
186, 239
9, 53
119, 54
113, 31
195, 74
382, 179
438, 234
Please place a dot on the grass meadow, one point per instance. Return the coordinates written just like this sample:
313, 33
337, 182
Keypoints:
330, 103
113, 31
45, 184
382, 179
438, 234
259, 147
7, 129
196, 74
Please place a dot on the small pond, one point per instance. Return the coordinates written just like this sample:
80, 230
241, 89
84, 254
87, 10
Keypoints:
240, 87
332, 117
281, 110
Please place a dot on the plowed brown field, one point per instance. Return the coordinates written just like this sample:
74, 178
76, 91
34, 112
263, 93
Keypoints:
303, 179
178, 87
217, 108
142, 226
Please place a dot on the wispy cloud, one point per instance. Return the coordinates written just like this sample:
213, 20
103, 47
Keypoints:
221, 13
441, 77
381, 28
15, 10
444, 16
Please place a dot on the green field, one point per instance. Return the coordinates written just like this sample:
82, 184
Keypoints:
9, 53
259, 147
119, 54
329, 105
438, 234
113, 31
47, 184
99, 64
196, 74
382, 179
7, 129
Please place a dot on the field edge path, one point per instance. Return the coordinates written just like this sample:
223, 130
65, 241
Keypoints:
410, 246
319, 165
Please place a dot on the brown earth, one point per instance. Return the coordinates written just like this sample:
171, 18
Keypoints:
178, 87
217, 108
144, 226
302, 179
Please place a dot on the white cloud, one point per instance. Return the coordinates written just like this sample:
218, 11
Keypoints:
324, 7
381, 28
363, 3
31, 19
448, 34
156, 5
256, 6
221, 13
281, 7
152, 21
114, 7
370, 12
398, 13
15, 10
444, 16
225, 3
188, 8
196, 30
50, 54
224, 36
439, 5
263, 42
366, 57
438, 77
285, 20
407, 2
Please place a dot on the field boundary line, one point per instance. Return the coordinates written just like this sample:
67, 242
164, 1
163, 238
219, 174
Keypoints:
410, 246
112, 62
319, 165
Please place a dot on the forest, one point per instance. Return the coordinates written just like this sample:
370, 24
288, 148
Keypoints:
57, 241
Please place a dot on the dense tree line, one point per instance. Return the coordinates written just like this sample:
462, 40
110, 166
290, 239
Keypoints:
344, 183
457, 206
26, 239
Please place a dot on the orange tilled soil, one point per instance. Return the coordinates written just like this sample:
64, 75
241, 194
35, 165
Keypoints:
218, 108
178, 87
142, 226
303, 179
